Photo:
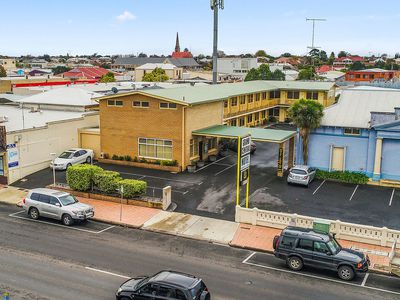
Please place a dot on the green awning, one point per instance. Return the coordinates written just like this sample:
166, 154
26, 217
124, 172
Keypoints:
257, 134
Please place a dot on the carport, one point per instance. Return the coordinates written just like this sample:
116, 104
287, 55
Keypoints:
257, 134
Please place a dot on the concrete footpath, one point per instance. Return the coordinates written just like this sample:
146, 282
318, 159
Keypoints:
257, 238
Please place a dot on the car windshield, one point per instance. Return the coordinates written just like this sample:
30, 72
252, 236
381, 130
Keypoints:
68, 200
142, 282
197, 290
334, 246
66, 155
298, 171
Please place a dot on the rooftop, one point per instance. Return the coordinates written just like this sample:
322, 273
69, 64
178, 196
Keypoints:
151, 66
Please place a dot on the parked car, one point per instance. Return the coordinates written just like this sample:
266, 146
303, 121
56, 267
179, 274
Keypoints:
164, 285
301, 175
72, 157
56, 205
305, 247
231, 144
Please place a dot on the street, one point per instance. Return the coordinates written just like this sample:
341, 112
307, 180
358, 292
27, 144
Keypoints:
42, 261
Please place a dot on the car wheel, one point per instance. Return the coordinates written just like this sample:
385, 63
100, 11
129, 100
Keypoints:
346, 273
67, 220
295, 263
88, 160
34, 213
68, 165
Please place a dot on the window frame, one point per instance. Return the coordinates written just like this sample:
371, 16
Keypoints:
293, 95
312, 95
308, 240
121, 103
140, 104
155, 145
352, 131
168, 105
233, 101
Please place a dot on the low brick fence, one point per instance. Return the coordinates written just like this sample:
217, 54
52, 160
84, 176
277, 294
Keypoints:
347, 231
140, 165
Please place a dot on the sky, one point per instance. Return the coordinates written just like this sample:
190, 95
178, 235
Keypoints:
55, 27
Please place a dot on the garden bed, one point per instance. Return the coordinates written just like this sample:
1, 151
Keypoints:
140, 165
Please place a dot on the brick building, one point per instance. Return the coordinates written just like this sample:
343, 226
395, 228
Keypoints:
368, 75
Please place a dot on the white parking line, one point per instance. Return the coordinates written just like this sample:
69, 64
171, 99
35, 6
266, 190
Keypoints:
206, 166
15, 215
248, 257
216, 174
319, 187
106, 272
174, 191
365, 279
163, 178
352, 195
391, 198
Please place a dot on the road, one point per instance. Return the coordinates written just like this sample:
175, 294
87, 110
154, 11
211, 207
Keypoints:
43, 261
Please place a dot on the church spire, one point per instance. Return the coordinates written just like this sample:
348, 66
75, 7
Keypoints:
177, 47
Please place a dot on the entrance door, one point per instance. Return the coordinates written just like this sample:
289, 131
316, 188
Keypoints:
337, 159
3, 178
201, 150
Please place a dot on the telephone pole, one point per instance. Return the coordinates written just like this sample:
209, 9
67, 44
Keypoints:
312, 47
215, 6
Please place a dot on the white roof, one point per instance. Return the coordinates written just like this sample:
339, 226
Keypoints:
151, 66
355, 106
63, 96
34, 119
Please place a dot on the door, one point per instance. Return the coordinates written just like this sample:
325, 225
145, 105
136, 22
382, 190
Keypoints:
53, 208
3, 178
201, 149
305, 249
337, 159
390, 159
148, 292
322, 256
44, 205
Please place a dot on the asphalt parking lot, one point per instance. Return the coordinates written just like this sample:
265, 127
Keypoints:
211, 191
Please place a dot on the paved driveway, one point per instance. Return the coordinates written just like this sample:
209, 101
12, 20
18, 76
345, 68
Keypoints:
211, 191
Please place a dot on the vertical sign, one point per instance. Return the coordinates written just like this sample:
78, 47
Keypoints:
12, 155
243, 166
280, 161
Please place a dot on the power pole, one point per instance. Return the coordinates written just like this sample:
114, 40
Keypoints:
215, 6
312, 47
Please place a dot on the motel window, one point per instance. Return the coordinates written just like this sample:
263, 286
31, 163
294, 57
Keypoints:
242, 99
155, 148
193, 148
115, 103
225, 104
274, 94
233, 122
312, 95
256, 116
249, 118
143, 104
167, 105
274, 112
358, 76
351, 76
352, 131
250, 98
371, 76
212, 143
293, 94
257, 97
364, 76
264, 95
241, 122
233, 101
263, 113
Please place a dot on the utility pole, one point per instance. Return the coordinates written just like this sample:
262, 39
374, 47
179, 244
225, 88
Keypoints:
312, 47
215, 6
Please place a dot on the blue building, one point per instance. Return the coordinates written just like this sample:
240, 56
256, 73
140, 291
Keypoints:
360, 133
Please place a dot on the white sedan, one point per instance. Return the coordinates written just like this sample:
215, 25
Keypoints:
72, 157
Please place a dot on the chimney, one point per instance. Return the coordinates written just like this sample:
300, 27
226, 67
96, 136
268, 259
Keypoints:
397, 113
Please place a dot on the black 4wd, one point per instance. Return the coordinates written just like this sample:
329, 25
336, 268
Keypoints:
306, 247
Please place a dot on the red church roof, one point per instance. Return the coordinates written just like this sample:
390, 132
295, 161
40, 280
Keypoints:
86, 72
185, 54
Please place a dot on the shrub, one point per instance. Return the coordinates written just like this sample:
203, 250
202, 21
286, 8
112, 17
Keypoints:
169, 163
127, 158
120, 157
115, 157
142, 160
133, 187
346, 176
107, 181
80, 177
158, 162
135, 159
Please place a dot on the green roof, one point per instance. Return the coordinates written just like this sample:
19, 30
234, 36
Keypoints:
257, 134
202, 94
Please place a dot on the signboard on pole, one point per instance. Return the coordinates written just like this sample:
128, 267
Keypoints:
245, 149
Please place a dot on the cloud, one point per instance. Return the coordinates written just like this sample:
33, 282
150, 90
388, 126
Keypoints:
126, 16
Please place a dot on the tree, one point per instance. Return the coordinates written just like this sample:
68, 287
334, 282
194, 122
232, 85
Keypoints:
141, 54
156, 75
109, 77
331, 58
357, 65
260, 53
342, 54
306, 74
60, 69
397, 55
323, 56
379, 64
253, 74
286, 54
264, 72
3, 72
306, 115
278, 75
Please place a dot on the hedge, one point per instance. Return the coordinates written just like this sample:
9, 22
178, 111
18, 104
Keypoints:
346, 176
107, 181
133, 187
80, 177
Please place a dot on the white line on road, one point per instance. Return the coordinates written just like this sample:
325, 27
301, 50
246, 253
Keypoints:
106, 272
248, 257
365, 279
318, 187
174, 191
216, 174
206, 166
352, 195
391, 198
163, 178
105, 229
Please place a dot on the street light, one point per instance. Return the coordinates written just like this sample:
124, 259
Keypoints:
215, 6
53, 154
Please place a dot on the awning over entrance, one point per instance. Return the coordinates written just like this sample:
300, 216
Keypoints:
257, 134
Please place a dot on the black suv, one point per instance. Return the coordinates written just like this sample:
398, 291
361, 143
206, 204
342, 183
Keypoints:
301, 246
169, 285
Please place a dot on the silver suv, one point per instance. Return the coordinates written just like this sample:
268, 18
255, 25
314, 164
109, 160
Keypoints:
56, 205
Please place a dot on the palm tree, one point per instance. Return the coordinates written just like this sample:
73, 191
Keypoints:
307, 115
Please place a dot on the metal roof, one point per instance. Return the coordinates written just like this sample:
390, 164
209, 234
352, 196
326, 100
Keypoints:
257, 134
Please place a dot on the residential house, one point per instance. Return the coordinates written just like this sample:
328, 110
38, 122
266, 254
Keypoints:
172, 71
344, 62
93, 73
369, 75
131, 63
8, 64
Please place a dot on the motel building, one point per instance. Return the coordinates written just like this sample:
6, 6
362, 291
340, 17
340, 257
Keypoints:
183, 124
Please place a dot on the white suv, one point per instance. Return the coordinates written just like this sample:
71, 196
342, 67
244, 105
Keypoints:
56, 205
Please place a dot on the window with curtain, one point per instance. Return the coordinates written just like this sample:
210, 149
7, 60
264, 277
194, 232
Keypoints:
155, 148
